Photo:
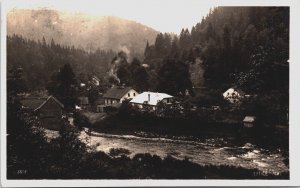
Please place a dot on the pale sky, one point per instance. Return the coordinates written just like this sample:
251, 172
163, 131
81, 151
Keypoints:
162, 15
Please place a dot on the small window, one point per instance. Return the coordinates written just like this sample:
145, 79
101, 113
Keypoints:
128, 94
134, 94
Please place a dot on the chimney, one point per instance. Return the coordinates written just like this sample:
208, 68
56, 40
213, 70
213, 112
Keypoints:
148, 97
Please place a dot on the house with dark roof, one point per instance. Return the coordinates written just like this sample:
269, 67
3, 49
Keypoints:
118, 95
50, 111
32, 103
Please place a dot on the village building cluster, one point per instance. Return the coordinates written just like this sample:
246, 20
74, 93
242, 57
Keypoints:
50, 110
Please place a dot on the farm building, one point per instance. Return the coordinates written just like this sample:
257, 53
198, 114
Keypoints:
249, 121
118, 95
49, 110
150, 99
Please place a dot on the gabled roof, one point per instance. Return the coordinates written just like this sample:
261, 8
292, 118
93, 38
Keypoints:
47, 100
116, 92
249, 119
232, 90
154, 98
32, 102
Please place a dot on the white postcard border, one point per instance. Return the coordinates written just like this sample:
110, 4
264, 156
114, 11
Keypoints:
294, 113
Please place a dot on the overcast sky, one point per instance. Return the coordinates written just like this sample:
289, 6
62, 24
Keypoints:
162, 15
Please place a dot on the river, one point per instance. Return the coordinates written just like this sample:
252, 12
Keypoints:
211, 151
218, 151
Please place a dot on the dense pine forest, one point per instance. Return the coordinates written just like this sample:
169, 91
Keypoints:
243, 46
40, 60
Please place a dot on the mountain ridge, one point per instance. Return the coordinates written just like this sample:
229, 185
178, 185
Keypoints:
81, 30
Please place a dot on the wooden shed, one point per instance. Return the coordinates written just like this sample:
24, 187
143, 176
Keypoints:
249, 121
50, 112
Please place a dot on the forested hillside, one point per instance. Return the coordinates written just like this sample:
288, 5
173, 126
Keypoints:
40, 60
80, 30
247, 47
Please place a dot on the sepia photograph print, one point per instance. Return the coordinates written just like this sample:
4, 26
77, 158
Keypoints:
146, 90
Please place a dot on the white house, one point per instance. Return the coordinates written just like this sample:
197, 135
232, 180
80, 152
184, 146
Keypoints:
118, 95
233, 95
249, 121
150, 99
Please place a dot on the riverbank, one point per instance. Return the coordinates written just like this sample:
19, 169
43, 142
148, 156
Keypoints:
146, 166
211, 152
193, 129
98, 165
